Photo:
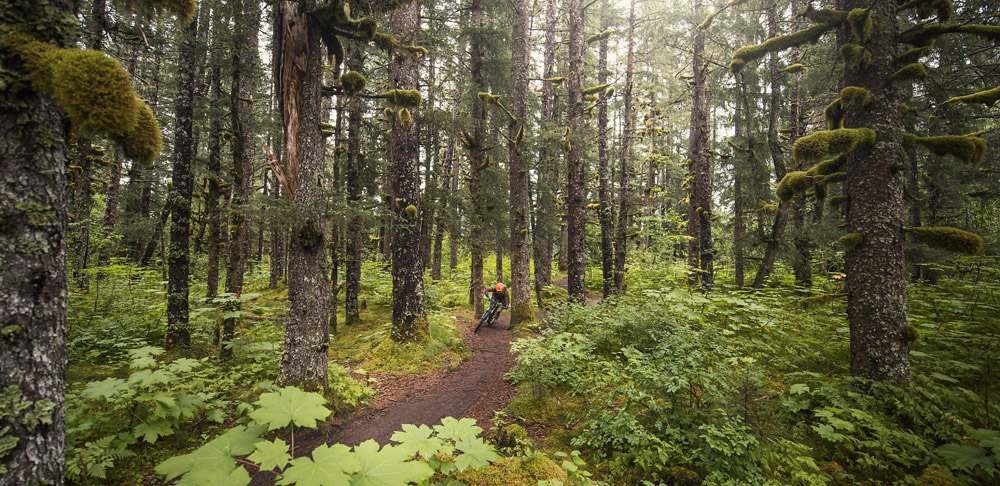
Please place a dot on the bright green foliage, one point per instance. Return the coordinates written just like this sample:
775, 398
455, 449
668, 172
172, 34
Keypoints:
213, 462
855, 98
387, 467
353, 82
271, 454
418, 441
909, 72
328, 466
828, 143
751, 53
985, 455
793, 183
966, 148
289, 405
948, 238
403, 98
987, 97
794, 68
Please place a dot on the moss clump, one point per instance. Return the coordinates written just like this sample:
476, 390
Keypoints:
828, 166
967, 148
512, 439
987, 97
855, 56
826, 16
145, 142
489, 98
600, 36
924, 34
937, 475
554, 79
593, 90
405, 118
411, 211
514, 471
834, 114
861, 23
795, 68
827, 143
835, 177
855, 98
406, 98
913, 55
751, 53
353, 82
793, 183
948, 238
909, 72
851, 240
911, 334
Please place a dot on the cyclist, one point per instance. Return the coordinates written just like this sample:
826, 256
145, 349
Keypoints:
498, 302
499, 293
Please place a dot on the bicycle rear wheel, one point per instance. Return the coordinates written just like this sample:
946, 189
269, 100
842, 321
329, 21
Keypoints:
482, 320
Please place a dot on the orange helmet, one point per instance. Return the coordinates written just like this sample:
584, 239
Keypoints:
500, 287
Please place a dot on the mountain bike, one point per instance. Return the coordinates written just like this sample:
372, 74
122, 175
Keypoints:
490, 316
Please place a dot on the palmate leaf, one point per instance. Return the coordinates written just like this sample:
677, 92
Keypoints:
456, 430
151, 377
213, 462
417, 440
387, 467
475, 453
105, 389
271, 454
965, 457
329, 466
151, 431
290, 405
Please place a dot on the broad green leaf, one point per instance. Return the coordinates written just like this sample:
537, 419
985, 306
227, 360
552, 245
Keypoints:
142, 362
456, 430
329, 466
798, 389
417, 440
475, 453
105, 388
965, 457
387, 467
183, 365
151, 377
152, 431
213, 462
271, 454
290, 405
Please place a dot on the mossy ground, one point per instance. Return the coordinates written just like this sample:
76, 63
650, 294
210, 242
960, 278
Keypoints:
515, 471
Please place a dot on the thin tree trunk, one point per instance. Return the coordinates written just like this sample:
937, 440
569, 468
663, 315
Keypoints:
477, 159
700, 250
213, 212
624, 195
606, 210
576, 218
546, 218
444, 211
179, 200
520, 240
357, 232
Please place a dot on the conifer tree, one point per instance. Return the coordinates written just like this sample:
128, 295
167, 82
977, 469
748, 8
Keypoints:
605, 208
520, 240
699, 226
575, 166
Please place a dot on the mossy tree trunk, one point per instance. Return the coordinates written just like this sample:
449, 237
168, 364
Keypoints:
606, 211
32, 246
625, 161
444, 212
699, 228
357, 230
477, 157
876, 292
213, 210
576, 218
246, 18
409, 322
179, 199
520, 240
307, 339
546, 214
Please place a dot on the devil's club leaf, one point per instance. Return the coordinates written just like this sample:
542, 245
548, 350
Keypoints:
329, 466
387, 467
417, 440
456, 430
289, 405
475, 454
270, 454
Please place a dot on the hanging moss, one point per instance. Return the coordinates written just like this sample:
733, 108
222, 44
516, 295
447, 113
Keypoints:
838, 200
943, 9
795, 68
751, 53
855, 56
835, 177
988, 97
913, 55
793, 183
828, 166
828, 143
834, 114
861, 23
405, 118
411, 211
924, 34
327, 130
385, 41
967, 148
408, 98
851, 240
948, 238
353, 82
855, 98
94, 90
554, 79
593, 90
600, 36
145, 142
489, 98
825, 16
909, 72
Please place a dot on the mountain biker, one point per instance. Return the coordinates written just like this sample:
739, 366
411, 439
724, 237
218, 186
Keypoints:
499, 293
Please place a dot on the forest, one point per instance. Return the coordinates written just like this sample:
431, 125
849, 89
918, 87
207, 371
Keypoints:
485, 243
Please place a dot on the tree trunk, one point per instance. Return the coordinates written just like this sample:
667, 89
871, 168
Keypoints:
606, 211
520, 240
740, 154
246, 17
307, 339
179, 200
700, 252
213, 211
409, 322
546, 215
576, 218
444, 211
357, 232
876, 291
33, 279
624, 194
477, 159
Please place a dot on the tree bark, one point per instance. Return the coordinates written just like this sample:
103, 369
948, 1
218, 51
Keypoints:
179, 199
477, 158
444, 212
876, 292
357, 230
213, 211
700, 252
520, 240
307, 339
576, 218
546, 215
606, 215
625, 162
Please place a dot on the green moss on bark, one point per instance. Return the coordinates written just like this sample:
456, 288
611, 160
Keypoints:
793, 183
408, 98
948, 238
855, 55
852, 240
987, 97
861, 23
966, 148
828, 143
834, 114
522, 312
909, 72
751, 53
855, 98
145, 142
795, 68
